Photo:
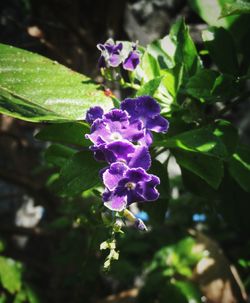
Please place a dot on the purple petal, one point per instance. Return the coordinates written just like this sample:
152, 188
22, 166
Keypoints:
131, 61
147, 106
99, 132
94, 113
113, 175
119, 151
110, 54
149, 191
136, 175
116, 115
114, 60
158, 124
134, 196
129, 105
143, 107
114, 202
113, 48
133, 132
140, 158
147, 139
117, 48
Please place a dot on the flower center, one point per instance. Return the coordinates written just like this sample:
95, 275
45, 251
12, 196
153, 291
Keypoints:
130, 185
115, 136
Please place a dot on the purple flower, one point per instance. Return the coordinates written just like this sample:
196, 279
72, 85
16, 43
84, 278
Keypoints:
94, 113
113, 55
126, 185
133, 59
146, 110
110, 54
121, 138
133, 156
115, 126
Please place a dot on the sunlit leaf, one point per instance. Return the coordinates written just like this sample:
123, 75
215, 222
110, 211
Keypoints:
10, 274
217, 140
210, 11
150, 87
236, 8
34, 88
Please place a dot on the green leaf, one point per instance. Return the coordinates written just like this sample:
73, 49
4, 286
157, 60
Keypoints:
208, 168
210, 10
239, 7
211, 86
150, 87
239, 167
80, 173
68, 133
220, 45
3, 298
34, 88
226, 87
150, 67
10, 274
178, 59
244, 263
190, 290
218, 140
176, 49
228, 135
201, 84
20, 297
170, 81
58, 154
31, 294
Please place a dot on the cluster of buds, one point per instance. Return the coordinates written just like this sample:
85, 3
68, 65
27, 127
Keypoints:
114, 55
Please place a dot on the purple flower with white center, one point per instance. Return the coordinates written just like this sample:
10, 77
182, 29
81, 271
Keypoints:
115, 126
110, 54
121, 138
133, 59
126, 185
94, 113
146, 110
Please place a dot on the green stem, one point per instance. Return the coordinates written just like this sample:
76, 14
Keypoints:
129, 85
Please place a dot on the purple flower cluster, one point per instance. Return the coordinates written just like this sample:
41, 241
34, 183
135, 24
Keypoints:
122, 138
112, 55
